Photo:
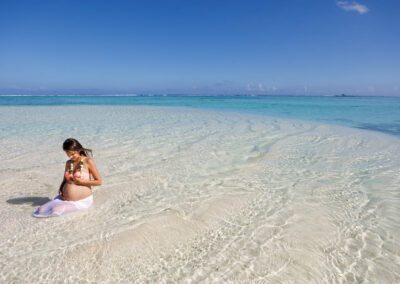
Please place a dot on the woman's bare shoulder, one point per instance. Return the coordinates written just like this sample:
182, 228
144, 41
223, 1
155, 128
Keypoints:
89, 160
91, 164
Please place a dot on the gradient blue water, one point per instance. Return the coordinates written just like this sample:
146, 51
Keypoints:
373, 113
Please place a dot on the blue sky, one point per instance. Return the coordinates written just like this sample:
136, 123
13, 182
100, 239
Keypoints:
307, 47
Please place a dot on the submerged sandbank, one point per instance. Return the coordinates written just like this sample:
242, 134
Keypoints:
191, 195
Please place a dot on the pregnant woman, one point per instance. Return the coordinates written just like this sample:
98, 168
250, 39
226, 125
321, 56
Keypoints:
75, 192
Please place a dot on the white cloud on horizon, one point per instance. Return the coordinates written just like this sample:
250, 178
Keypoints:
352, 6
260, 87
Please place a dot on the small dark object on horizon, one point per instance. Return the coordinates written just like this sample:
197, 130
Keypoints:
343, 95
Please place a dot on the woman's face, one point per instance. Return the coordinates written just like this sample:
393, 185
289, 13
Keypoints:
73, 155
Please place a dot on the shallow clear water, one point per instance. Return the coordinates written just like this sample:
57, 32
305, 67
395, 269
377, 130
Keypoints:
373, 113
199, 196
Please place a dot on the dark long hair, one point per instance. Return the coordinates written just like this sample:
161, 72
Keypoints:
72, 144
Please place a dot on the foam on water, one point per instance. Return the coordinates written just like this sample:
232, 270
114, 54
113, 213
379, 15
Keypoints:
191, 196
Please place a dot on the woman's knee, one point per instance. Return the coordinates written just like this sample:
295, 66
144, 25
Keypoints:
63, 208
58, 210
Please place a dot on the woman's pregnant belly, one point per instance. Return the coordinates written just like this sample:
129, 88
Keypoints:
74, 192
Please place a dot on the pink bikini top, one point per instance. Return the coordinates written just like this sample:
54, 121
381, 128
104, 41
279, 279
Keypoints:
85, 175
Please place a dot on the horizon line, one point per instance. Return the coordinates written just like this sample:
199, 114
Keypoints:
188, 95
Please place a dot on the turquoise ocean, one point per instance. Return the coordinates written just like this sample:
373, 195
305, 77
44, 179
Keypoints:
372, 113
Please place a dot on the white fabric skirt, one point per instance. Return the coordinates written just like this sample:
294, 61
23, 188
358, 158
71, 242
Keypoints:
59, 207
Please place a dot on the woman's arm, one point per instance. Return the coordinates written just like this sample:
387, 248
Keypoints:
60, 191
95, 173
64, 180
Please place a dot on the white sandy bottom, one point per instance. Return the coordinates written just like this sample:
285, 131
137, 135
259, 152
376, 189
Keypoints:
200, 197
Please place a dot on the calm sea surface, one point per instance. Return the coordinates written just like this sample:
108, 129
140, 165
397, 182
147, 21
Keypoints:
373, 113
